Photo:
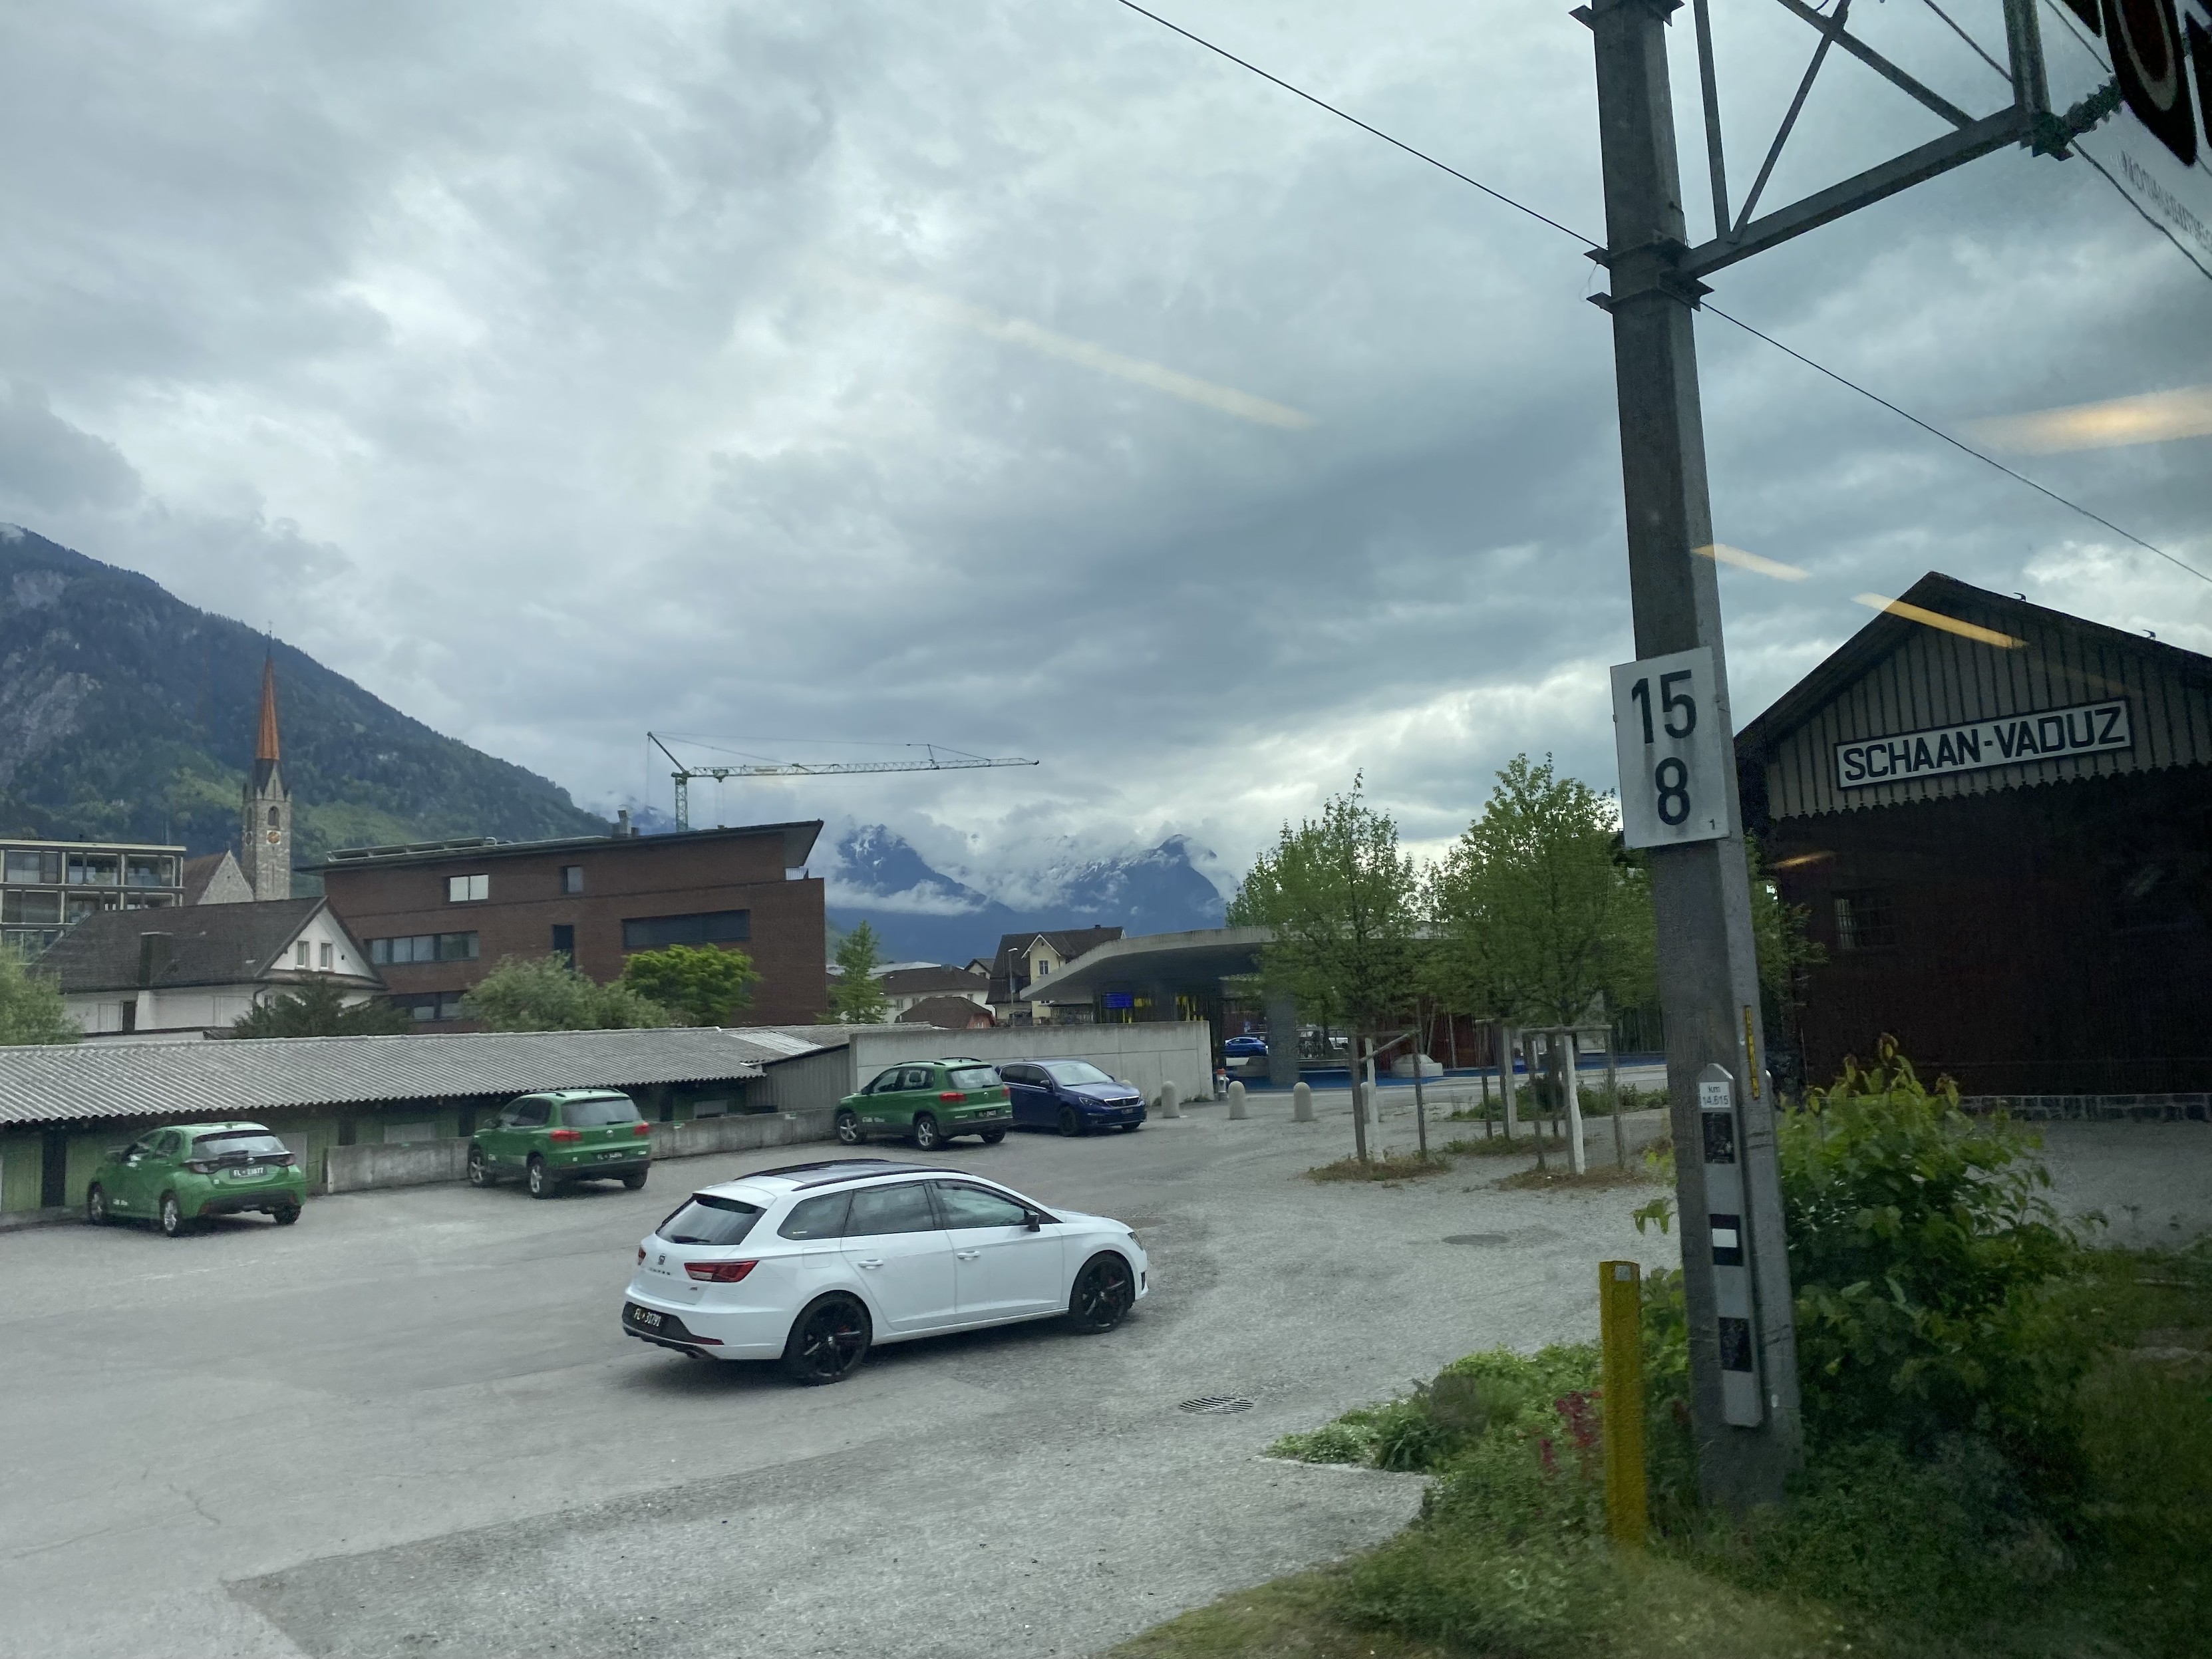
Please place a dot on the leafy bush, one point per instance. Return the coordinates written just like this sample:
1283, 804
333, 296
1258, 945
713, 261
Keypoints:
31, 1007
1922, 1251
546, 993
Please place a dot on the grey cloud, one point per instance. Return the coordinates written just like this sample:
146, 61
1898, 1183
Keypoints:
48, 466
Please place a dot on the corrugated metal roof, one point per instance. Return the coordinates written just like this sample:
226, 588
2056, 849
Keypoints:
231, 1077
1897, 676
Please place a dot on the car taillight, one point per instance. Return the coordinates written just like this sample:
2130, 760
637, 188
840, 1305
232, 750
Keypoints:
718, 1273
566, 1134
640, 1255
952, 1094
198, 1166
641, 1129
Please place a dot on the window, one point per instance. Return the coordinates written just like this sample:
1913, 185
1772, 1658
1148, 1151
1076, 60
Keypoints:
917, 1077
299, 954
818, 1218
708, 1218
275, 817
35, 864
94, 870
708, 927
323, 957
1043, 967
880, 1210
431, 1004
971, 1207
572, 877
1864, 922
531, 1114
422, 947
32, 910
887, 1084
599, 1112
973, 1077
564, 939
1075, 1072
149, 870
467, 889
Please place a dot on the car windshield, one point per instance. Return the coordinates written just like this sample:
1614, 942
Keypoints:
592, 1114
706, 1220
1074, 1072
239, 1145
974, 1076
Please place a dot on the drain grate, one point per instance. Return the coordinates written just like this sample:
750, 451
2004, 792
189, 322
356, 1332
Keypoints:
1209, 1404
1474, 1238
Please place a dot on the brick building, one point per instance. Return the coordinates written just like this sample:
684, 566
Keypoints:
436, 917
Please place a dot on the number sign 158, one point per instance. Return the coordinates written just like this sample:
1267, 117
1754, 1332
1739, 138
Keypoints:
1673, 746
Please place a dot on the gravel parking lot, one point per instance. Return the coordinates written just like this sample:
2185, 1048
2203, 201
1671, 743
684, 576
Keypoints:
411, 1425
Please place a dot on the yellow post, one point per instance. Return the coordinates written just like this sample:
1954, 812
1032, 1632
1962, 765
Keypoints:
1621, 1326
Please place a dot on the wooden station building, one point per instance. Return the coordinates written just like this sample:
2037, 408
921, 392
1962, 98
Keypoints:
2000, 818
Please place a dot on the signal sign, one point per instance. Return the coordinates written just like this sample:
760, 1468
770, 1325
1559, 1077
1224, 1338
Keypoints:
2151, 52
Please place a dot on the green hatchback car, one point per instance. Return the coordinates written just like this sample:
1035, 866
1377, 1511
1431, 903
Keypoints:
561, 1136
929, 1102
177, 1176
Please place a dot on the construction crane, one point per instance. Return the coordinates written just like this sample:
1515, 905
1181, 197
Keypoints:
960, 761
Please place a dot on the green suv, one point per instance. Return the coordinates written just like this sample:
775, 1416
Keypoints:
179, 1175
928, 1102
563, 1135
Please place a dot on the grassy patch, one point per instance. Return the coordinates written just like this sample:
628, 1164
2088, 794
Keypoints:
1597, 1176
1394, 1166
1522, 1145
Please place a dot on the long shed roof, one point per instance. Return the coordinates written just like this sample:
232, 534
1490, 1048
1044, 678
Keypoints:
230, 1078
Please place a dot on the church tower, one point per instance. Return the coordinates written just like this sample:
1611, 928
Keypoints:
265, 845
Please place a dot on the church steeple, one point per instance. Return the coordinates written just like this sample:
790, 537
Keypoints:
265, 843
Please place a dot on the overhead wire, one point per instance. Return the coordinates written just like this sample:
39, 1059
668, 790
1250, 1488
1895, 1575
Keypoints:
1589, 242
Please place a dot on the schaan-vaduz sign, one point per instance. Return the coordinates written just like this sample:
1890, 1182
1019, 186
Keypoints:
2085, 729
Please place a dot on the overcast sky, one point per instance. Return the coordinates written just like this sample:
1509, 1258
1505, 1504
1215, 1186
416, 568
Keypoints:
1023, 378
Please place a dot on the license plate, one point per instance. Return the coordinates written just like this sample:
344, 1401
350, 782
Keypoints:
644, 1316
616, 1152
251, 1172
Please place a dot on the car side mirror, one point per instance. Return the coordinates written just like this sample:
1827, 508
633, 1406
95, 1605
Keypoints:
1035, 1222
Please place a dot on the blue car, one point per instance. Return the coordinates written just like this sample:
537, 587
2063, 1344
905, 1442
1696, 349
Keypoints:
1072, 1096
1245, 1048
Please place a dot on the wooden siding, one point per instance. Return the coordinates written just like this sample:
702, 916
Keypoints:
1938, 679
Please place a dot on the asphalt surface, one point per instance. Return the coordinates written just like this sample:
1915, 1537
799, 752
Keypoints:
410, 1425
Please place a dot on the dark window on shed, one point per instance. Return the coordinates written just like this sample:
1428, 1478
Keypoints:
705, 927
564, 939
572, 877
1864, 921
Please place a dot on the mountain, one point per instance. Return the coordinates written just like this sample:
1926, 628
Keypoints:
922, 914
128, 715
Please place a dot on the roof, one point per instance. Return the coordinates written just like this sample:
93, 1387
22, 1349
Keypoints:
795, 1041
1205, 956
1067, 943
207, 945
207, 882
235, 1076
798, 839
935, 977
948, 1013
830, 1171
1899, 676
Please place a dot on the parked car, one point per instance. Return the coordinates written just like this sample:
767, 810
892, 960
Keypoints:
176, 1176
813, 1264
565, 1135
1072, 1096
1245, 1048
928, 1102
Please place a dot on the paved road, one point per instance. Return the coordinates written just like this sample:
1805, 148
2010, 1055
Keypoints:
410, 1425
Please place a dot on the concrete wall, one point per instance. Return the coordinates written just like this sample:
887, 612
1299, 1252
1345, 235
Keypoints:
1147, 1054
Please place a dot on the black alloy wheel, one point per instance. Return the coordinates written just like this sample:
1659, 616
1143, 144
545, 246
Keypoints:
95, 1206
539, 1179
286, 1214
1070, 1124
993, 1137
172, 1217
927, 1137
636, 1180
479, 1172
848, 1128
827, 1341
1104, 1291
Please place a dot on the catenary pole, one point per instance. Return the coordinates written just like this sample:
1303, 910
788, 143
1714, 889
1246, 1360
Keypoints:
1708, 976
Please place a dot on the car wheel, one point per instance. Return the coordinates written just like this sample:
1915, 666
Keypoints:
286, 1214
993, 1137
927, 1137
848, 1128
539, 1179
827, 1340
95, 1206
172, 1217
479, 1172
636, 1180
1103, 1292
1069, 1123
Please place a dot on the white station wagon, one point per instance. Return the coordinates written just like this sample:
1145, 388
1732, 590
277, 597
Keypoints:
815, 1263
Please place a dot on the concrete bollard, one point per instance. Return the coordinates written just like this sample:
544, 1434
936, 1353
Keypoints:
1302, 1102
1236, 1100
1170, 1101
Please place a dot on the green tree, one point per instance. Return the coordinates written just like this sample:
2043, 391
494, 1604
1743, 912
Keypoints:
1784, 948
546, 993
1342, 901
319, 1008
856, 996
31, 1007
702, 982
